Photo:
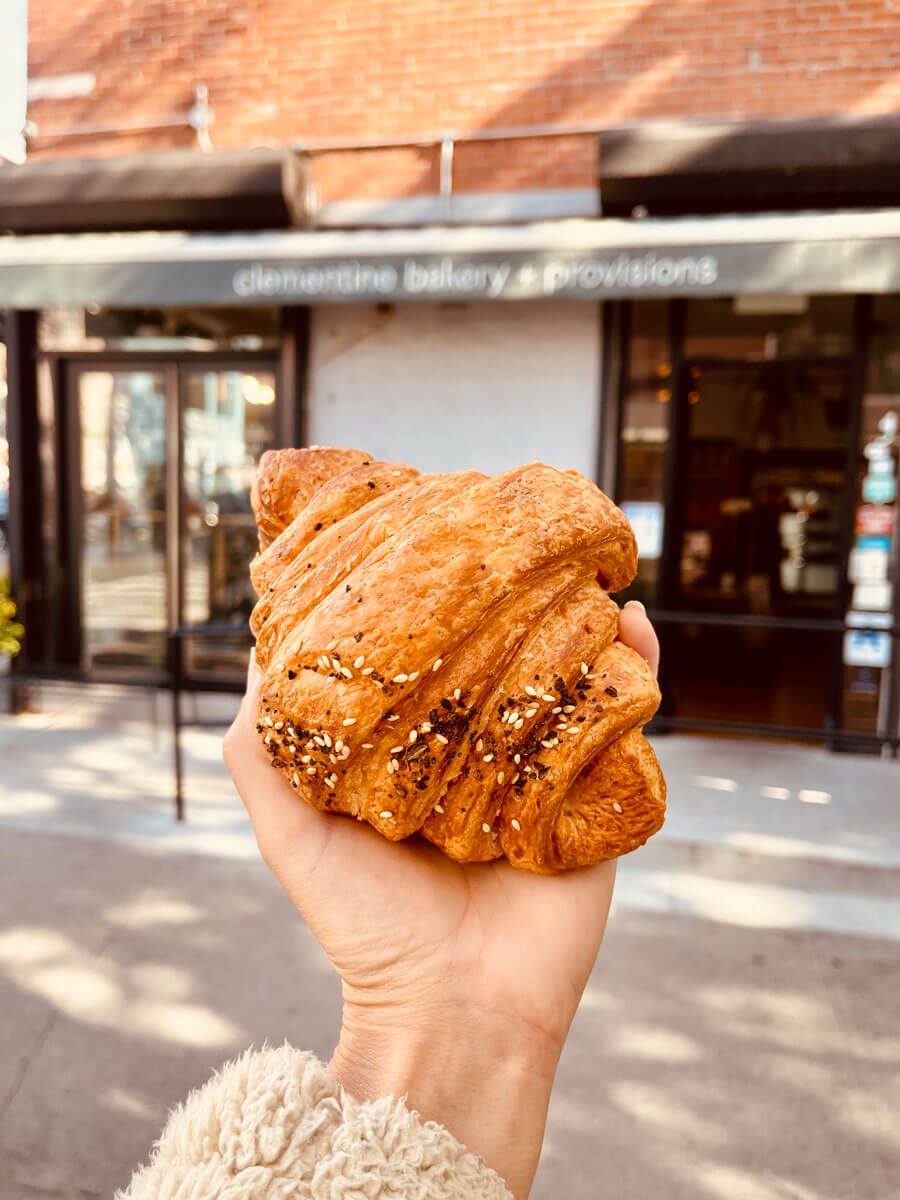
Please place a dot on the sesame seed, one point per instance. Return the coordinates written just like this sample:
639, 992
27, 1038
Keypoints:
386, 815
479, 745
392, 766
306, 758
575, 730
393, 717
396, 750
358, 662
413, 676
530, 712
457, 693
368, 670
515, 778
338, 745
515, 824
401, 678
440, 737
269, 722
530, 690
546, 696
438, 808
501, 777
331, 645
485, 827
330, 781
396, 472
517, 758
336, 664
556, 710
562, 727
332, 758
425, 727
367, 746
327, 739
548, 744
413, 735
346, 672
310, 770
617, 806
296, 779
279, 725
584, 668
349, 721
519, 723
437, 664
345, 753
569, 708
488, 758
267, 738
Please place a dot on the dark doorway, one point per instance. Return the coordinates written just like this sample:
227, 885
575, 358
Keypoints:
755, 529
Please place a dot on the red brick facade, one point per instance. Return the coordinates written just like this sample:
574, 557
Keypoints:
282, 71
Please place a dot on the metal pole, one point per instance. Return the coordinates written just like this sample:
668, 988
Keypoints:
447, 177
175, 658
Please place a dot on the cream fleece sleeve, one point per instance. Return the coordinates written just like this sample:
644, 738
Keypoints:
275, 1124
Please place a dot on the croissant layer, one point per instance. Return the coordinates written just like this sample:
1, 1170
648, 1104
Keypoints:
439, 656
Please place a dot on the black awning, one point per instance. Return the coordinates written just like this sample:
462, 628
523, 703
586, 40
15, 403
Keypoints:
694, 168
173, 189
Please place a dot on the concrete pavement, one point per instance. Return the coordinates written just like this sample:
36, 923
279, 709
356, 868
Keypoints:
739, 1038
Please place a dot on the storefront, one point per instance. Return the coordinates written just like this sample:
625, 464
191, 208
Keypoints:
731, 380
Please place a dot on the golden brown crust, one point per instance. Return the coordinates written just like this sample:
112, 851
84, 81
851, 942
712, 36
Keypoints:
439, 656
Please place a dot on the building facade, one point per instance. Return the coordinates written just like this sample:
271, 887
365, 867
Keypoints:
658, 245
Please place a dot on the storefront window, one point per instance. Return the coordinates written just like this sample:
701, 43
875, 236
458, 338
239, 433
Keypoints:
871, 569
644, 437
753, 328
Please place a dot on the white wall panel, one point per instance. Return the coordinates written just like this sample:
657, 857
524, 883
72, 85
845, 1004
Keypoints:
445, 387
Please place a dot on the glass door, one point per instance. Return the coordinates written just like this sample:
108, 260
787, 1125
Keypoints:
228, 418
161, 527
121, 535
757, 533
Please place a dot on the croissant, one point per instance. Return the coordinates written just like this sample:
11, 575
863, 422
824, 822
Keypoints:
439, 656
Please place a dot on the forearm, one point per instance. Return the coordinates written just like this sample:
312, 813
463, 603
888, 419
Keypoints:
487, 1083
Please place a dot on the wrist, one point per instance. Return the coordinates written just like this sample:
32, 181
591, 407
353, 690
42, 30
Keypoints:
486, 1080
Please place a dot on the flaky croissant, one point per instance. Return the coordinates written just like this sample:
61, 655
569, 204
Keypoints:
439, 656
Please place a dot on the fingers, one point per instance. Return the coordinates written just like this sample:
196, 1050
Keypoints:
636, 631
282, 821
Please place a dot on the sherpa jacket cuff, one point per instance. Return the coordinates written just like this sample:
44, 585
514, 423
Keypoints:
276, 1124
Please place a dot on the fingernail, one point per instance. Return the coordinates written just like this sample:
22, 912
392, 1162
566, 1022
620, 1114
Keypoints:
636, 604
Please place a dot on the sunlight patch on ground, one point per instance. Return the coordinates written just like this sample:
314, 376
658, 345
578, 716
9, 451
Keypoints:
150, 910
715, 783
20, 803
775, 793
812, 796
94, 990
660, 1107
656, 1045
121, 1100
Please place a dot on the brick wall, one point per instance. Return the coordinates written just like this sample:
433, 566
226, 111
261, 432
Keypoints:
282, 71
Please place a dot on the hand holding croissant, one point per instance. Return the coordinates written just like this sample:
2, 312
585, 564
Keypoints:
460, 980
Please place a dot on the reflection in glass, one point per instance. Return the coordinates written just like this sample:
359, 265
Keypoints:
229, 420
761, 504
123, 569
644, 438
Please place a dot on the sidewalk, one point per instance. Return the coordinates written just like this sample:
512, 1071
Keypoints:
738, 1040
